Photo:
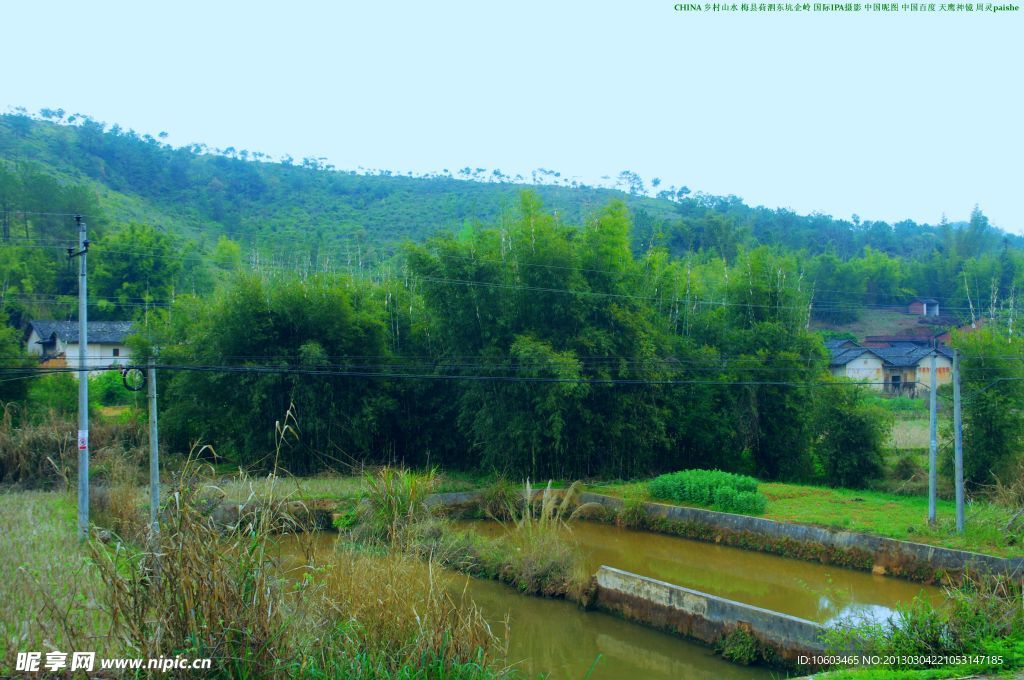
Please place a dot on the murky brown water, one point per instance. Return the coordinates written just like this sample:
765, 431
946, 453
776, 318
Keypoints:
557, 638
806, 589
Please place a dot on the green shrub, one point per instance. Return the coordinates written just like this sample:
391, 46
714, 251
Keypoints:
725, 497
982, 614
748, 503
56, 392
851, 433
109, 389
906, 467
725, 491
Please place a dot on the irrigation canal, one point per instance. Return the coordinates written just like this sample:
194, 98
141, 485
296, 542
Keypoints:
557, 637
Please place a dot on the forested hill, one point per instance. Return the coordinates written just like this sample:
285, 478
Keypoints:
203, 193
244, 196
175, 220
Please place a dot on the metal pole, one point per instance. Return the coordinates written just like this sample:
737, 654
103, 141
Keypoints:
154, 449
933, 445
83, 389
958, 444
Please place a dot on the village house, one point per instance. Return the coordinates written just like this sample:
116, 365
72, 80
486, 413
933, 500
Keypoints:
56, 343
901, 370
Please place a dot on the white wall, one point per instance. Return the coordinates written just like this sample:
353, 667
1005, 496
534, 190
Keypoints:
99, 355
943, 371
865, 368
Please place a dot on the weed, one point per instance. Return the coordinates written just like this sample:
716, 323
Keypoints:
633, 514
497, 498
42, 451
740, 646
403, 612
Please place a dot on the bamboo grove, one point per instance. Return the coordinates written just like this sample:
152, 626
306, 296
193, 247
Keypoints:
529, 348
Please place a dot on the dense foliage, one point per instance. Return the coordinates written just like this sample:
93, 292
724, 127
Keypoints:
851, 432
993, 384
534, 349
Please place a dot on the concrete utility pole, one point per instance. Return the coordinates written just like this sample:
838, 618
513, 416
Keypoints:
958, 444
154, 450
933, 444
83, 384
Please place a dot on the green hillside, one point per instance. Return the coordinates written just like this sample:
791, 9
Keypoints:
257, 202
205, 193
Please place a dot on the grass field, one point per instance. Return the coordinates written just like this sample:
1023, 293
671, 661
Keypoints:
49, 591
909, 433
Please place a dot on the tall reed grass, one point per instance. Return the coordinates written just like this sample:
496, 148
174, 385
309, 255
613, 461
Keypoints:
394, 500
384, 613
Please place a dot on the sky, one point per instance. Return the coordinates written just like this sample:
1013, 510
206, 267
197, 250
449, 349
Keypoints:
887, 115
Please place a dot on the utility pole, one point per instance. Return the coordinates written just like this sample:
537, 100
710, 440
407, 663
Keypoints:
83, 384
933, 444
154, 450
958, 444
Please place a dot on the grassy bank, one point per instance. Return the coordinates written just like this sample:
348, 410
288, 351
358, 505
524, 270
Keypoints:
239, 487
892, 515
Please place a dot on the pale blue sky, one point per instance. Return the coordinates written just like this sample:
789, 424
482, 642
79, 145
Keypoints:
889, 116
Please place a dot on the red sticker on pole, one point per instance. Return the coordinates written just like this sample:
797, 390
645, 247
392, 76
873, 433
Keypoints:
83, 440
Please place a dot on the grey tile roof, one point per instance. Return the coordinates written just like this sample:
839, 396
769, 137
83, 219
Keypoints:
894, 356
841, 357
110, 332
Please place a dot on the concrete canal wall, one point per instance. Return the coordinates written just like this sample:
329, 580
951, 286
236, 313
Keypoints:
701, 616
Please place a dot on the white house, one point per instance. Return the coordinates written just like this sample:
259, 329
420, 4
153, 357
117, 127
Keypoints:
860, 364
902, 370
56, 343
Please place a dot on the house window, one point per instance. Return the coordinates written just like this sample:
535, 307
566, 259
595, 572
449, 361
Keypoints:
117, 352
